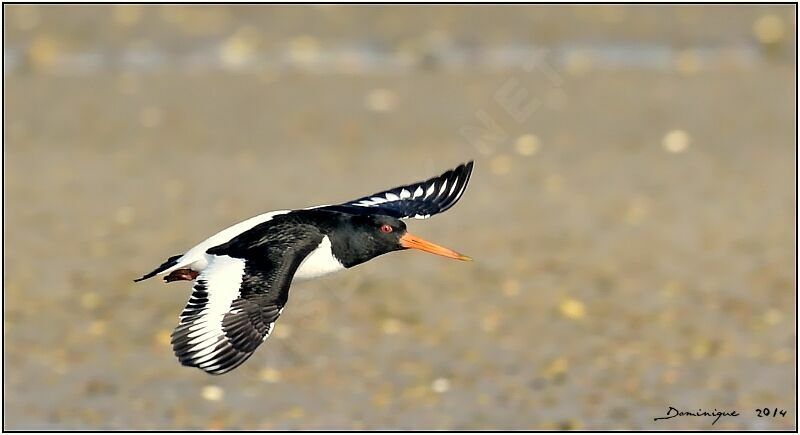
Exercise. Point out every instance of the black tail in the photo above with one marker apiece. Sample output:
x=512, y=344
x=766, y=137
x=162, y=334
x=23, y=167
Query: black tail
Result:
x=164, y=266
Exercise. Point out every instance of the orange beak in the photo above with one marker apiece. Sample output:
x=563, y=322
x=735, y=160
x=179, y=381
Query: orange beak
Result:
x=410, y=241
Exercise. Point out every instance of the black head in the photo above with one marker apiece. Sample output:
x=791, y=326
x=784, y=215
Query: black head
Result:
x=364, y=237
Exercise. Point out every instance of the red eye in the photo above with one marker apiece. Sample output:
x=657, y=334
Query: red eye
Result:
x=386, y=228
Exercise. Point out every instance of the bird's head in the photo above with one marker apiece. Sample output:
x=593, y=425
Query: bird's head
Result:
x=378, y=235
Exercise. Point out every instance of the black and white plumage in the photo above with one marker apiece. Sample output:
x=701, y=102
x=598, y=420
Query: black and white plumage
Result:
x=419, y=200
x=243, y=273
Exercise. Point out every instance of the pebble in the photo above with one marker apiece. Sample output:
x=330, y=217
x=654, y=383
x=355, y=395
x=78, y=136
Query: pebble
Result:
x=43, y=52
x=440, y=385
x=283, y=332
x=90, y=300
x=554, y=184
x=391, y=326
x=782, y=356
x=769, y=29
x=380, y=100
x=213, y=393
x=572, y=308
x=240, y=48
x=527, y=145
x=124, y=215
x=688, y=62
x=501, y=164
x=772, y=317
x=295, y=412
x=700, y=349
x=163, y=337
x=304, y=49
x=578, y=64
x=676, y=141
x=511, y=287
x=97, y=327
x=557, y=367
x=636, y=211
x=270, y=375
x=126, y=15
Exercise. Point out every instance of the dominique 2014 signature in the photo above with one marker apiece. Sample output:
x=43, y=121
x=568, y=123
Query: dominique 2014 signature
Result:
x=673, y=412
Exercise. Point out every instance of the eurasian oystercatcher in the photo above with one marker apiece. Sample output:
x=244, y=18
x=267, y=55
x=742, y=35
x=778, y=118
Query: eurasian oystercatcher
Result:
x=243, y=273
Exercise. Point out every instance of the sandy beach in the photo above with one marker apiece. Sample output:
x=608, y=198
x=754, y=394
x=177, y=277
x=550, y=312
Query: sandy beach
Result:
x=633, y=229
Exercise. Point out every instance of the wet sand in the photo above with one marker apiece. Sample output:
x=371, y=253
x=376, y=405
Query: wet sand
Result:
x=634, y=245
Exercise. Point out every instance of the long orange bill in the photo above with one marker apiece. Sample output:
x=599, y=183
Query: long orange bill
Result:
x=411, y=241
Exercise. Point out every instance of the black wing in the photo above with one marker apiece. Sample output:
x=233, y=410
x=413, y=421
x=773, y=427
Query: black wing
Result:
x=417, y=200
x=239, y=296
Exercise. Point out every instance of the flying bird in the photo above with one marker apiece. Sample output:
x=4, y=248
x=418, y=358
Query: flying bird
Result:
x=243, y=273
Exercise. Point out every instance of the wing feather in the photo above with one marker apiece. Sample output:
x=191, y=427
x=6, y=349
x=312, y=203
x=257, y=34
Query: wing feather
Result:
x=419, y=200
x=238, y=298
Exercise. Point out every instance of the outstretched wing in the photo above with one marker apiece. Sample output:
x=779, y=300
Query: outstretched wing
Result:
x=417, y=200
x=239, y=296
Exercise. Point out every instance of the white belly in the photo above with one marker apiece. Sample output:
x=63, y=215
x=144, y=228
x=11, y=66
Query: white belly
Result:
x=318, y=263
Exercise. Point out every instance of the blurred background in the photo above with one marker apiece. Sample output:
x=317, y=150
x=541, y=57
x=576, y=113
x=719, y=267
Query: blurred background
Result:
x=631, y=214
